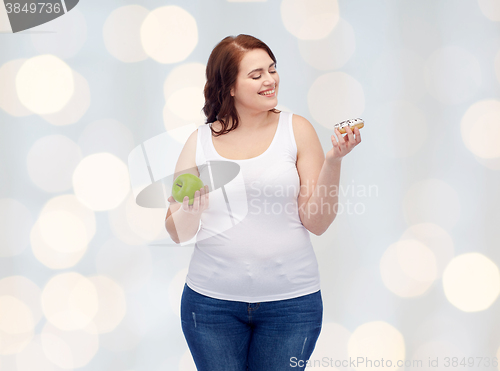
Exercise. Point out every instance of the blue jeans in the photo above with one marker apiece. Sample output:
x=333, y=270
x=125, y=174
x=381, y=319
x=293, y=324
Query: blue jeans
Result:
x=225, y=335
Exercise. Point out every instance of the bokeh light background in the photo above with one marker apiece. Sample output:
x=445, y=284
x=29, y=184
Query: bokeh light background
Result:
x=89, y=280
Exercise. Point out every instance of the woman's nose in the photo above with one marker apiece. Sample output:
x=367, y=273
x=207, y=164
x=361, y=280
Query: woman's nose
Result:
x=269, y=80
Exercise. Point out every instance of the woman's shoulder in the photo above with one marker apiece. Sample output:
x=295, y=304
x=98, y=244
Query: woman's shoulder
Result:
x=300, y=122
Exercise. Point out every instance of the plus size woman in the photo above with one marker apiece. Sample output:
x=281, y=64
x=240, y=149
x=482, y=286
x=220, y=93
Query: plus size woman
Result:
x=252, y=298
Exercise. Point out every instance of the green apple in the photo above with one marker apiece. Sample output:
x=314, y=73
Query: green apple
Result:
x=186, y=185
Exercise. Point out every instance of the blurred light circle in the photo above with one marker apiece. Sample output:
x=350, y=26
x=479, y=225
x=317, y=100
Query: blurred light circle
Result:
x=85, y=224
x=480, y=129
x=69, y=349
x=112, y=304
x=183, y=76
x=119, y=223
x=50, y=257
x=408, y=268
x=15, y=224
x=57, y=351
x=436, y=239
x=416, y=260
x=33, y=358
x=490, y=163
x=9, y=101
x=46, y=254
x=107, y=135
x=471, y=282
x=432, y=201
x=44, y=84
x=63, y=231
x=121, y=33
x=69, y=35
x=76, y=107
x=70, y=301
x=377, y=340
x=26, y=291
x=169, y=34
x=405, y=129
x=129, y=266
x=485, y=135
x=452, y=75
x=185, y=82
x=490, y=9
x=309, y=19
x=179, y=134
x=335, y=97
x=101, y=181
x=186, y=102
x=14, y=343
x=51, y=162
x=174, y=124
x=15, y=316
x=136, y=225
x=332, y=51
x=147, y=223
x=17, y=320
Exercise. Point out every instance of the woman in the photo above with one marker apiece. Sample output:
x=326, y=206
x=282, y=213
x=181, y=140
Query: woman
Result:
x=252, y=298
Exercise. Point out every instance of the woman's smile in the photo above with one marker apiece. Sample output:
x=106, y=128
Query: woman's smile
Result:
x=268, y=93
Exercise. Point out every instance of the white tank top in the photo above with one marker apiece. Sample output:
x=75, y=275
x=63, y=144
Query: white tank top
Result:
x=251, y=245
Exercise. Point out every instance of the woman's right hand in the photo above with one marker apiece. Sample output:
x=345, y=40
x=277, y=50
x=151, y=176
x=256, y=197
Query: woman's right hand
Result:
x=200, y=204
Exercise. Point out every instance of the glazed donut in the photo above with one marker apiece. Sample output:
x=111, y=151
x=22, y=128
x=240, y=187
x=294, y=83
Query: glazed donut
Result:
x=358, y=123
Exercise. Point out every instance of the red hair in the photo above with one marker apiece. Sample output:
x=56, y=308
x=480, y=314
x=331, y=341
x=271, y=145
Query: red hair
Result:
x=221, y=73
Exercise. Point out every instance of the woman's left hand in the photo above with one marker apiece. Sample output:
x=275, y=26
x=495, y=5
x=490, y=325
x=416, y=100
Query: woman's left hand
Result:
x=343, y=146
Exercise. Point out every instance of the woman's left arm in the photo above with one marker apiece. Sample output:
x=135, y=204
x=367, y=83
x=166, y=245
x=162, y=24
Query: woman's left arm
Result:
x=321, y=208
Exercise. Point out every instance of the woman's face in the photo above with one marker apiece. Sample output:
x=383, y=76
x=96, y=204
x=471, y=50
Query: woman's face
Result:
x=257, y=73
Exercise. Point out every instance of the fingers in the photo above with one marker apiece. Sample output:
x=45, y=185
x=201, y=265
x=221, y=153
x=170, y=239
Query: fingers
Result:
x=203, y=198
x=358, y=134
x=350, y=135
x=200, y=201
x=196, y=202
x=185, y=203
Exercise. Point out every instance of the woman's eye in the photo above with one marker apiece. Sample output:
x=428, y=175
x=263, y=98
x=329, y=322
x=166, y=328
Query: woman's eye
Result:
x=256, y=78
